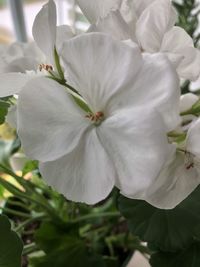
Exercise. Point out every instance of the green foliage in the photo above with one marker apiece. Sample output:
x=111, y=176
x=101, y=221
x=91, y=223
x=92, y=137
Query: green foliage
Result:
x=10, y=245
x=186, y=258
x=4, y=106
x=63, y=248
x=30, y=166
x=7, y=149
x=167, y=230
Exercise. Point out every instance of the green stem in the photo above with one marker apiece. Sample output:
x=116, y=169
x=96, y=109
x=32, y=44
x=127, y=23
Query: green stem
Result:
x=21, y=226
x=16, y=213
x=96, y=216
x=29, y=248
x=58, y=65
x=17, y=204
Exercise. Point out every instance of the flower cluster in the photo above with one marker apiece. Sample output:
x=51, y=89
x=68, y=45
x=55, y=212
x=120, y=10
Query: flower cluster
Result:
x=104, y=108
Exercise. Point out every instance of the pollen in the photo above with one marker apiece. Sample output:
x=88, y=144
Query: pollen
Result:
x=45, y=67
x=96, y=118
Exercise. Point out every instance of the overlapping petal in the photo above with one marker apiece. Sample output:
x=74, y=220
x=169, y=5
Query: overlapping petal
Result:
x=157, y=85
x=50, y=123
x=178, y=42
x=138, y=147
x=157, y=19
x=114, y=25
x=95, y=9
x=44, y=29
x=63, y=33
x=12, y=83
x=99, y=76
x=174, y=183
x=84, y=175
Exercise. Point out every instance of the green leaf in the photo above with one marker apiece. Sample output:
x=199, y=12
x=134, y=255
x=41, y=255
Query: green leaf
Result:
x=168, y=230
x=10, y=245
x=4, y=106
x=63, y=247
x=185, y=258
x=7, y=149
x=30, y=166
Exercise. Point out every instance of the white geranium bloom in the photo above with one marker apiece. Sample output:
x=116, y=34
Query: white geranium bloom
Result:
x=183, y=165
x=182, y=170
x=47, y=37
x=150, y=23
x=123, y=141
x=155, y=33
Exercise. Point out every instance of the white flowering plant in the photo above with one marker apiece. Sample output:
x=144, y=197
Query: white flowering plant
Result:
x=111, y=133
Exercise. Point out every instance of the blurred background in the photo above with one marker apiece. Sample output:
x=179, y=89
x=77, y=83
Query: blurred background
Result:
x=17, y=16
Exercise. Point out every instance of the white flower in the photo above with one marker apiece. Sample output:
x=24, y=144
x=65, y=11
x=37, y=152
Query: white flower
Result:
x=18, y=69
x=150, y=23
x=123, y=142
x=180, y=175
x=155, y=33
x=183, y=165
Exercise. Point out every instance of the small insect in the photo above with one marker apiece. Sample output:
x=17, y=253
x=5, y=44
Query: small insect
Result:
x=189, y=166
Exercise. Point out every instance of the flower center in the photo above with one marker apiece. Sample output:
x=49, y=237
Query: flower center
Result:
x=96, y=118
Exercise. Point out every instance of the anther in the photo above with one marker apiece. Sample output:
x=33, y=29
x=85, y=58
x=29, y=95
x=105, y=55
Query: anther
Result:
x=97, y=118
x=45, y=67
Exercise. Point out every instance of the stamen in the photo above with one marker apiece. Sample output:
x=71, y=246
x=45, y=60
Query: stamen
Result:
x=96, y=118
x=45, y=67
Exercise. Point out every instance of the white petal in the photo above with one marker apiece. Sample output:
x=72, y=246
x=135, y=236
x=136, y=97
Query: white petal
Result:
x=129, y=14
x=12, y=83
x=44, y=29
x=193, y=137
x=175, y=40
x=63, y=34
x=173, y=185
x=95, y=9
x=22, y=65
x=50, y=124
x=155, y=21
x=138, y=147
x=157, y=85
x=141, y=5
x=114, y=25
x=189, y=68
x=100, y=76
x=132, y=9
x=84, y=175
x=187, y=101
x=178, y=42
